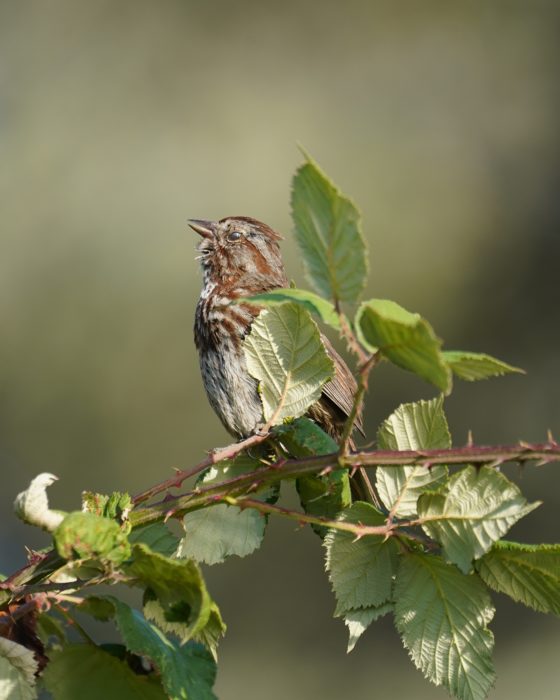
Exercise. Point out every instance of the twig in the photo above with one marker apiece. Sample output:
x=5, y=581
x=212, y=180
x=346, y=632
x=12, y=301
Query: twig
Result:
x=215, y=456
x=21, y=611
x=390, y=528
x=365, y=364
x=54, y=586
x=34, y=571
x=363, y=378
x=74, y=623
x=351, y=341
x=356, y=529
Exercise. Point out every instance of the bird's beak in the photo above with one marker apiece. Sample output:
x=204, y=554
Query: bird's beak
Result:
x=206, y=229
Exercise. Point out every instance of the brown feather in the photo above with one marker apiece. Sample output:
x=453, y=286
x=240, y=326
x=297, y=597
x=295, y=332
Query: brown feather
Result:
x=340, y=391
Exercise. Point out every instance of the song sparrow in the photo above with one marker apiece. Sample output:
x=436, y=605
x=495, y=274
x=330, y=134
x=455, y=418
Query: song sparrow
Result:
x=240, y=256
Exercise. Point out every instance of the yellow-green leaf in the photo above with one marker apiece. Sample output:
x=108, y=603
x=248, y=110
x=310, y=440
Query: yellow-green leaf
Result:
x=528, y=573
x=442, y=616
x=413, y=426
x=284, y=351
x=476, y=508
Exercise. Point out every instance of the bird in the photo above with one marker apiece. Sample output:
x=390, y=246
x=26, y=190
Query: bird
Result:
x=240, y=256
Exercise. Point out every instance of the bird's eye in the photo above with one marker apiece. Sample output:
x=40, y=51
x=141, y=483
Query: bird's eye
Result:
x=233, y=236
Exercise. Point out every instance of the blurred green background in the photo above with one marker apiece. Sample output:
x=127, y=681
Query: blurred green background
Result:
x=118, y=121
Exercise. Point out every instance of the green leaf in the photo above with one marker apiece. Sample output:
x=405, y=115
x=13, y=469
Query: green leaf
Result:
x=404, y=338
x=413, y=426
x=258, y=457
x=94, y=502
x=177, y=585
x=360, y=619
x=284, y=351
x=89, y=536
x=87, y=672
x=157, y=536
x=442, y=616
x=320, y=494
x=98, y=607
x=48, y=627
x=473, y=365
x=187, y=670
x=528, y=573
x=220, y=531
x=327, y=229
x=17, y=671
x=304, y=438
x=324, y=495
x=213, y=631
x=477, y=507
x=115, y=506
x=360, y=571
x=118, y=505
x=310, y=301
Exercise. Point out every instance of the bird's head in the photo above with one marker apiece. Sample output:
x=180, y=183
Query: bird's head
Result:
x=240, y=252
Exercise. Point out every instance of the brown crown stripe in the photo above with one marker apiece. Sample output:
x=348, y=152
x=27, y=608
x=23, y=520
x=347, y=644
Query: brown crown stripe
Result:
x=265, y=228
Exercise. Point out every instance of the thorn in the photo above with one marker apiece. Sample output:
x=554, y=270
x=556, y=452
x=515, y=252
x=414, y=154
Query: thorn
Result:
x=253, y=487
x=525, y=445
x=496, y=464
x=354, y=470
x=169, y=514
x=551, y=441
x=470, y=440
x=325, y=471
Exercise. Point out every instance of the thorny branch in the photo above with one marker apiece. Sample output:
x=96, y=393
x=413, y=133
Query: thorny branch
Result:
x=215, y=456
x=363, y=379
x=493, y=456
x=356, y=529
x=235, y=490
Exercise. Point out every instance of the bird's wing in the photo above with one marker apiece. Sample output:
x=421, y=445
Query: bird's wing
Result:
x=342, y=387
